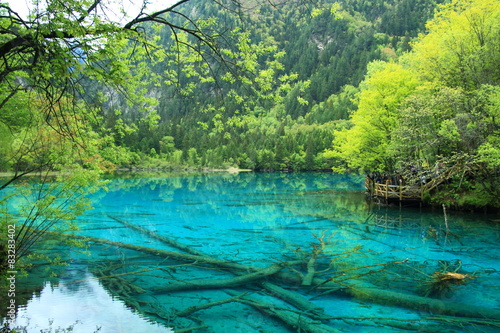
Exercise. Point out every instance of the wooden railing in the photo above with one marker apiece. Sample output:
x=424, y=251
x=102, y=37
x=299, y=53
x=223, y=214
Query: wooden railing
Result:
x=401, y=192
x=424, y=184
x=389, y=191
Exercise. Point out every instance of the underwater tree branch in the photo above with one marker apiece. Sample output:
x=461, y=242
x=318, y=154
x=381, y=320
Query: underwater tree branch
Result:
x=192, y=309
x=297, y=321
x=222, y=283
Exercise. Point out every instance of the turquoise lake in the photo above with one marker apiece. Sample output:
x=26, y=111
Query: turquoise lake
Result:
x=373, y=268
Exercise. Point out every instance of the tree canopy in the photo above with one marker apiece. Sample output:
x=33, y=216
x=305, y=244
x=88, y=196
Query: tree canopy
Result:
x=442, y=109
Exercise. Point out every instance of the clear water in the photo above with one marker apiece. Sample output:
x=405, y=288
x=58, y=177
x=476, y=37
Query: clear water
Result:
x=261, y=219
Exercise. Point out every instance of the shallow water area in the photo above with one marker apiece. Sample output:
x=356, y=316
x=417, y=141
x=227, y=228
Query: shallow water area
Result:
x=283, y=229
x=81, y=305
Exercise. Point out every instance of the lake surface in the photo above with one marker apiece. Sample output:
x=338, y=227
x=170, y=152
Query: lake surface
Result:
x=364, y=260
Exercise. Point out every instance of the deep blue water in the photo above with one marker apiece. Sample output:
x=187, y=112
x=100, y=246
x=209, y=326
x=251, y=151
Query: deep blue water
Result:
x=261, y=219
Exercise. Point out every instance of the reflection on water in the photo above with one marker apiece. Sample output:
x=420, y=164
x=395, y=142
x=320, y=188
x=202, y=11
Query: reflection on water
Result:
x=81, y=304
x=343, y=264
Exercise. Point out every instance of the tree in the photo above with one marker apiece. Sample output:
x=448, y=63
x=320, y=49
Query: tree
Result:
x=425, y=130
x=167, y=145
x=437, y=108
x=462, y=48
x=53, y=54
x=365, y=146
x=67, y=166
x=58, y=54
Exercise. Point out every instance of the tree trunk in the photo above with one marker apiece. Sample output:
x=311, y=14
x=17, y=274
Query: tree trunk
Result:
x=222, y=283
x=384, y=297
x=297, y=321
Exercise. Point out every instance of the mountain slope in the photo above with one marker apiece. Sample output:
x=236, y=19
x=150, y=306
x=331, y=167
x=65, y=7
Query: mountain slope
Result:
x=328, y=47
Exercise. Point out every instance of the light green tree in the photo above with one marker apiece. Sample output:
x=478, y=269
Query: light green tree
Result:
x=438, y=111
x=67, y=167
x=462, y=47
x=365, y=145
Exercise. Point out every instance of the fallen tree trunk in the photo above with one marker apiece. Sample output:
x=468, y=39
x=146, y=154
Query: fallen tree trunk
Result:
x=419, y=303
x=311, y=270
x=171, y=254
x=222, y=283
x=376, y=295
x=393, y=298
x=298, y=321
x=296, y=300
x=418, y=325
x=292, y=298
x=161, y=238
x=190, y=329
x=192, y=309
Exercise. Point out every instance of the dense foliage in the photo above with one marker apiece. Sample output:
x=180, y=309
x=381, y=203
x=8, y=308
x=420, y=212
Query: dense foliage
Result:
x=299, y=68
x=265, y=87
x=436, y=108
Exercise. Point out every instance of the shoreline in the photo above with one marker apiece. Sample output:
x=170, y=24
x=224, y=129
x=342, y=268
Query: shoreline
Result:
x=5, y=174
x=229, y=170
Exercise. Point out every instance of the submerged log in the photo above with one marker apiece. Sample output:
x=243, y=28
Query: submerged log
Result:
x=393, y=298
x=161, y=238
x=311, y=263
x=311, y=271
x=418, y=325
x=192, y=309
x=222, y=283
x=190, y=329
x=169, y=254
x=297, y=300
x=298, y=321
x=435, y=306
x=384, y=297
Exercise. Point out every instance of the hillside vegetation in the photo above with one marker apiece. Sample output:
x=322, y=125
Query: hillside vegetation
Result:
x=305, y=61
x=407, y=87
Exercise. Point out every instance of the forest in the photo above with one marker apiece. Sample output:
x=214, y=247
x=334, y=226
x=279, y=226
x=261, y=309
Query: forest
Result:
x=358, y=86
x=394, y=89
x=299, y=93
